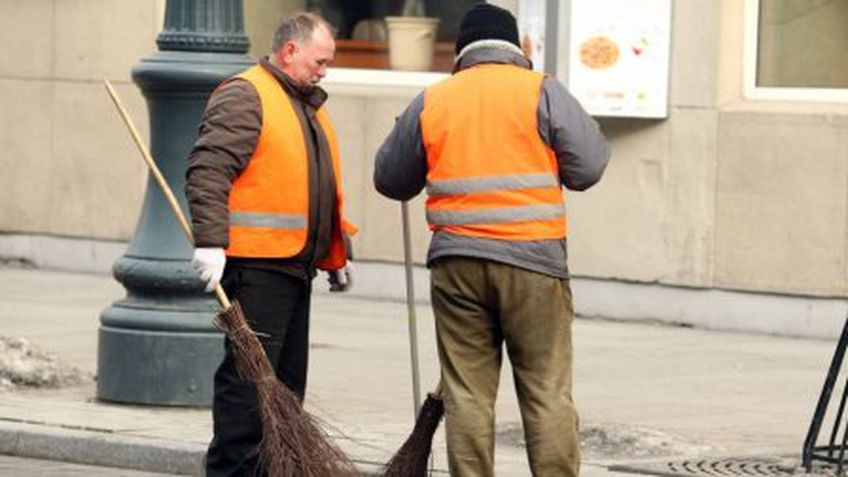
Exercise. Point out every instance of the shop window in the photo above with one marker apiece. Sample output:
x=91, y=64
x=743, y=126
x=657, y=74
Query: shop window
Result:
x=802, y=44
x=361, y=40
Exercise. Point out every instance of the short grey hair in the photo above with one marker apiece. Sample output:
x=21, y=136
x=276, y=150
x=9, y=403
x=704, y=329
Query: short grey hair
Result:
x=299, y=27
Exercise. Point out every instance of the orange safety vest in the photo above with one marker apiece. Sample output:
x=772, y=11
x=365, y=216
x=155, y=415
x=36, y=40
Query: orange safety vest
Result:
x=489, y=173
x=269, y=201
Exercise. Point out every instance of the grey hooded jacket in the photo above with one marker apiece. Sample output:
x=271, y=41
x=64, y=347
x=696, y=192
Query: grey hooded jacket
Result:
x=582, y=153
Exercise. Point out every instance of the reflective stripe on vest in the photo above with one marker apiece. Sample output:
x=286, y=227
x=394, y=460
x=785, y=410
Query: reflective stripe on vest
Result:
x=489, y=172
x=269, y=201
x=489, y=184
x=273, y=221
x=495, y=216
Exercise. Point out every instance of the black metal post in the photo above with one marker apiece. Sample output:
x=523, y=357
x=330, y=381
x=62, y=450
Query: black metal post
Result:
x=809, y=451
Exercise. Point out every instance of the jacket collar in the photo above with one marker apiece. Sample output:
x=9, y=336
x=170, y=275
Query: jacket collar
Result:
x=314, y=96
x=490, y=51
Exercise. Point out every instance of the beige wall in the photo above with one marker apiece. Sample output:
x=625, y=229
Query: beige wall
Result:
x=782, y=189
x=725, y=193
x=69, y=165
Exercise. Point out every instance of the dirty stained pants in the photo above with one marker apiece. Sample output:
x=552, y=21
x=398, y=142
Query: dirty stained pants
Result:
x=479, y=306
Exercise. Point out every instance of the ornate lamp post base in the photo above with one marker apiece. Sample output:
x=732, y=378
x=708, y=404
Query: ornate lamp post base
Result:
x=168, y=364
x=158, y=345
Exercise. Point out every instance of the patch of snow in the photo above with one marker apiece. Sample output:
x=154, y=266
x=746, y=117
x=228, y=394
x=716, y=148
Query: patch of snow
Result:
x=24, y=365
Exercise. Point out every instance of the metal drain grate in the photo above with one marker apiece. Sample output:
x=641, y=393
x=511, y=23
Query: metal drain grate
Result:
x=773, y=466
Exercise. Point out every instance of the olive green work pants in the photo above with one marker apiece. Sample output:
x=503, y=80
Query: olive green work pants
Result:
x=479, y=306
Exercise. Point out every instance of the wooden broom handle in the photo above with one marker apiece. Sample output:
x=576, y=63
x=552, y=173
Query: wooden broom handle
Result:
x=160, y=179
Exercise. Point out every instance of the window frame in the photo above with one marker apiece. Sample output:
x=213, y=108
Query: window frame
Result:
x=775, y=93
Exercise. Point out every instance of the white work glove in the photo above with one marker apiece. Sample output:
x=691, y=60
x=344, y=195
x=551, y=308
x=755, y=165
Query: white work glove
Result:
x=209, y=263
x=341, y=280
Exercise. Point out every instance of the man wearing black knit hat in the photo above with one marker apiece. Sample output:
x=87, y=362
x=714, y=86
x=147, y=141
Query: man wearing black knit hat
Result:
x=486, y=22
x=494, y=144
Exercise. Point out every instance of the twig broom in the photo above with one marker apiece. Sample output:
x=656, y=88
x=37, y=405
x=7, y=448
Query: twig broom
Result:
x=411, y=460
x=292, y=443
x=413, y=457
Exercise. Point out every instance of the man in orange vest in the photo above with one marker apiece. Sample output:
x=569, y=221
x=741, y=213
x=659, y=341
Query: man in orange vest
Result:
x=265, y=192
x=494, y=144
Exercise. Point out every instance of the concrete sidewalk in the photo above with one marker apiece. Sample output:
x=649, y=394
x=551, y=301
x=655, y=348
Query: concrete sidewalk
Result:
x=645, y=392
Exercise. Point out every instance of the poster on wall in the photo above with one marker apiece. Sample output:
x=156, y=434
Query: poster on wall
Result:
x=619, y=56
x=531, y=29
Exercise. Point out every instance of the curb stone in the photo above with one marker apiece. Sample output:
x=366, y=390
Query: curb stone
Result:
x=100, y=448
x=49, y=442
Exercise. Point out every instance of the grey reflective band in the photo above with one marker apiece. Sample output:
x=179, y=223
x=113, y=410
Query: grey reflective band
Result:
x=262, y=219
x=489, y=184
x=494, y=216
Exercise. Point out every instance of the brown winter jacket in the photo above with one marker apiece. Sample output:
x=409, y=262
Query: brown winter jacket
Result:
x=227, y=138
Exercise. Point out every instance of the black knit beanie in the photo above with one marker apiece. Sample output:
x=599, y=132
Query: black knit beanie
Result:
x=486, y=22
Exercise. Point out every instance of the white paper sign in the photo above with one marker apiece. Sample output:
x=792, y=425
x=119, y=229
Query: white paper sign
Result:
x=619, y=56
x=531, y=27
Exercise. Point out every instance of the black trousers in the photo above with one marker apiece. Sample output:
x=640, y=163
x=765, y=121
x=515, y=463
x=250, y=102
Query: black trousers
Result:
x=277, y=306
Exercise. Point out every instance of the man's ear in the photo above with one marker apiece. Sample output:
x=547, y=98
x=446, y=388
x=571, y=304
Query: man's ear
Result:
x=287, y=52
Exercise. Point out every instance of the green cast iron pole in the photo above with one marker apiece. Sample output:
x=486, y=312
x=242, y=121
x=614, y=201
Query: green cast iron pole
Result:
x=158, y=345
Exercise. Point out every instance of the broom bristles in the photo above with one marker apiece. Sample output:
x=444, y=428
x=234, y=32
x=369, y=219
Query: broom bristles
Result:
x=293, y=443
x=412, y=458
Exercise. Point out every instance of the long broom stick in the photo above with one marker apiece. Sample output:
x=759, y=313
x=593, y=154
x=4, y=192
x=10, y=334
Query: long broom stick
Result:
x=410, y=308
x=292, y=443
x=412, y=459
